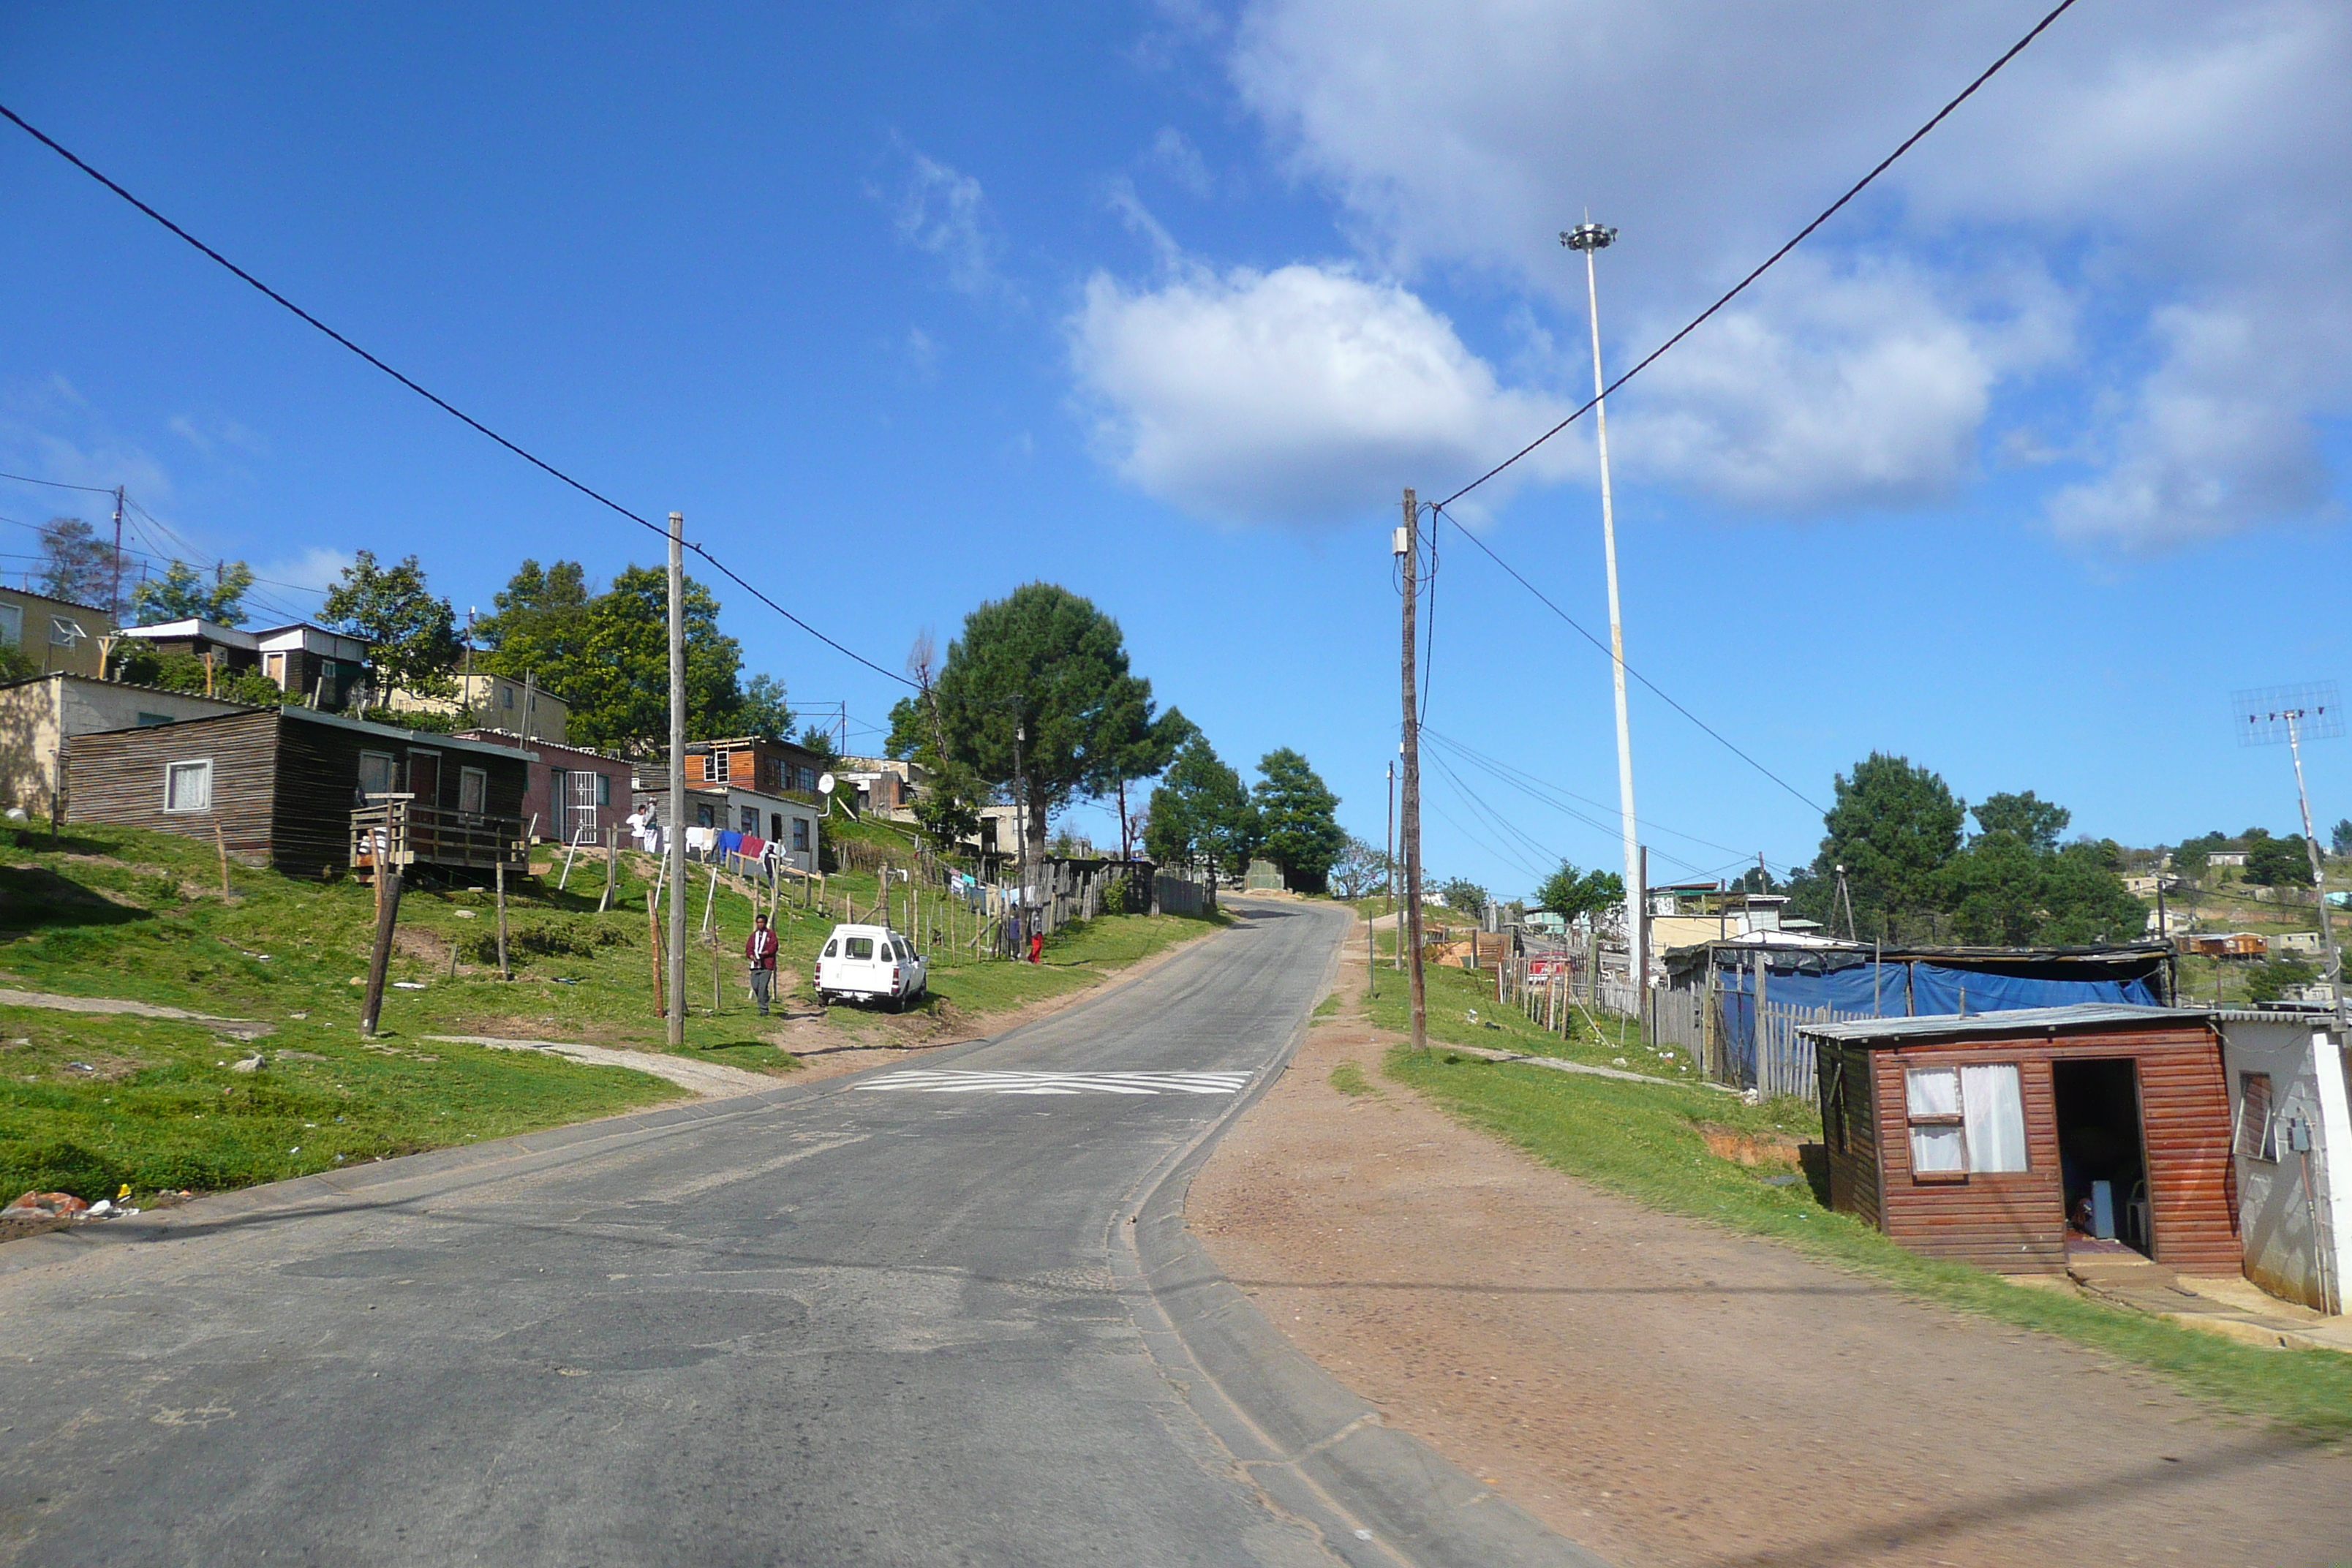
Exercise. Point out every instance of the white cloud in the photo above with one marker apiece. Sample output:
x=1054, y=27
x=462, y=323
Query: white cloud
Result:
x=944, y=212
x=1296, y=395
x=2174, y=170
x=1177, y=158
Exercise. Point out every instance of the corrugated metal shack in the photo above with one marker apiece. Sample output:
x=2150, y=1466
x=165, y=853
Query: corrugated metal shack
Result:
x=2007, y=1138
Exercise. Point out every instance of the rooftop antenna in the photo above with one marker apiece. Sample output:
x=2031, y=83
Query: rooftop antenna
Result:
x=2295, y=714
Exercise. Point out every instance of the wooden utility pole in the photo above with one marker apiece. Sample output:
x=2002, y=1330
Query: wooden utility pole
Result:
x=387, y=917
x=676, y=824
x=114, y=604
x=504, y=972
x=1408, y=551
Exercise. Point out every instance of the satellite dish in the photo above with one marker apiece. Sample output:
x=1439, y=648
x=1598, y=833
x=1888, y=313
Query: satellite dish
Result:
x=824, y=783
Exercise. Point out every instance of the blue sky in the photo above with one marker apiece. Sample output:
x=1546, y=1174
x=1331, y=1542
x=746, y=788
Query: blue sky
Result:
x=2021, y=469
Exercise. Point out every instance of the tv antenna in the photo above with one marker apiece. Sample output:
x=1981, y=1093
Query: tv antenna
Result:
x=2295, y=714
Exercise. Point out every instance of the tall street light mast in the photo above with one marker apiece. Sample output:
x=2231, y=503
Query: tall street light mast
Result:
x=1588, y=238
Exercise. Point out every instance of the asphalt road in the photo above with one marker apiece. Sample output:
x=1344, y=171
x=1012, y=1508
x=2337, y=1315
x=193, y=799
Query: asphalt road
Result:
x=891, y=1318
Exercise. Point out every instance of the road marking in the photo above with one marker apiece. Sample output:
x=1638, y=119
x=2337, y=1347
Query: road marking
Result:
x=952, y=1080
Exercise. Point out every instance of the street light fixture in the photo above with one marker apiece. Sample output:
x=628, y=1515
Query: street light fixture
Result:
x=1589, y=236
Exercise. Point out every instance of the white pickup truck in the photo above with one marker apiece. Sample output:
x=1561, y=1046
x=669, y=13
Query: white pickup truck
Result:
x=870, y=963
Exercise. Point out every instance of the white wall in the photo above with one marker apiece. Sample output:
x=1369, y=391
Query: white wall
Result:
x=2285, y=1253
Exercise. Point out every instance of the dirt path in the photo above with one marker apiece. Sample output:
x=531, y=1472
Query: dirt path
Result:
x=242, y=1028
x=1668, y=1392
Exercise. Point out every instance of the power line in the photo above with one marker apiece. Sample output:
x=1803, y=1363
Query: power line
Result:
x=1766, y=266
x=1655, y=687
x=435, y=399
x=54, y=484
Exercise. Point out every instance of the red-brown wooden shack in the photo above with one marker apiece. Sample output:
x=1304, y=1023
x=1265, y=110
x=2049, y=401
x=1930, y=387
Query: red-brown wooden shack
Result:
x=2001, y=1139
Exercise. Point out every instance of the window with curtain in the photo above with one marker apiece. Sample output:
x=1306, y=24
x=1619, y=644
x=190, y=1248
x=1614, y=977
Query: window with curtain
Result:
x=188, y=786
x=1965, y=1119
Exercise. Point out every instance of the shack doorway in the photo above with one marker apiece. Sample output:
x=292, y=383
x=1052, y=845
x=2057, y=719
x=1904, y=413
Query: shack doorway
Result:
x=2102, y=1154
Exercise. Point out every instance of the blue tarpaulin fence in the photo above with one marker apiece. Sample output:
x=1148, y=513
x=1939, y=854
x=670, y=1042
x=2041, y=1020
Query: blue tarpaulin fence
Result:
x=1895, y=988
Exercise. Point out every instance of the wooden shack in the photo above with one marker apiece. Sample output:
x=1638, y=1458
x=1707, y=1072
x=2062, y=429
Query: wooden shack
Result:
x=2007, y=1138
x=281, y=785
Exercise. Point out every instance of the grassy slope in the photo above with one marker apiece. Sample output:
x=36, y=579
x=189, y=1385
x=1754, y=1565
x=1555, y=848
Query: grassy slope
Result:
x=138, y=915
x=1643, y=1140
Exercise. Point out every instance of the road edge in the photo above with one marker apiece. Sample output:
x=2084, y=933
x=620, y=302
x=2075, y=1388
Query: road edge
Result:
x=1316, y=1450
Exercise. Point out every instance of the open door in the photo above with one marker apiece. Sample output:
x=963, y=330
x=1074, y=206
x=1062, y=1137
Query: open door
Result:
x=2102, y=1155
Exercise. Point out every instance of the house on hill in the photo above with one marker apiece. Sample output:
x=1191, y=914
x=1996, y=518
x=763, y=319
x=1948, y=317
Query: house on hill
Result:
x=38, y=716
x=308, y=663
x=574, y=794
x=280, y=787
x=54, y=634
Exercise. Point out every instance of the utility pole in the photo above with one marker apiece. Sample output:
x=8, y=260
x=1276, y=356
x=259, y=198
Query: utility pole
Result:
x=114, y=605
x=2318, y=869
x=1407, y=548
x=1020, y=810
x=1589, y=236
x=677, y=846
x=468, y=704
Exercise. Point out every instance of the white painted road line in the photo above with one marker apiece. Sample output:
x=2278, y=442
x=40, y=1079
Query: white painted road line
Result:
x=950, y=1081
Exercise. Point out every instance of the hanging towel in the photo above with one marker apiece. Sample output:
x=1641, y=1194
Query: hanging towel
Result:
x=753, y=846
x=729, y=841
x=699, y=838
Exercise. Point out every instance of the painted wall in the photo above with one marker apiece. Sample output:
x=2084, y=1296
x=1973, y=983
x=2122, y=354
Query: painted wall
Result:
x=2297, y=1233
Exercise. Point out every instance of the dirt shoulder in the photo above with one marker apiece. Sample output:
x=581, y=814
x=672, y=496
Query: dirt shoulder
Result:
x=1668, y=1393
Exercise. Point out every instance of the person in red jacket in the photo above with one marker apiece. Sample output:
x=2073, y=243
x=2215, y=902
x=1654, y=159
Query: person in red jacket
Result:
x=760, y=952
x=1037, y=946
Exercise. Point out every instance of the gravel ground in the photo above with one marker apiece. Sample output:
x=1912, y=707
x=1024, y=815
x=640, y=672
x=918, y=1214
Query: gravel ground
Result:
x=1668, y=1392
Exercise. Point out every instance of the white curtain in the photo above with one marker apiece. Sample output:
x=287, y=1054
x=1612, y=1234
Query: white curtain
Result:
x=1996, y=1117
x=1938, y=1150
x=1932, y=1092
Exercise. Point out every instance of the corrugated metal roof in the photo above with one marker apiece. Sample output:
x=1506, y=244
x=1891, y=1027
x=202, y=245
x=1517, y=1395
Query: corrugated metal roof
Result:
x=2016, y=1021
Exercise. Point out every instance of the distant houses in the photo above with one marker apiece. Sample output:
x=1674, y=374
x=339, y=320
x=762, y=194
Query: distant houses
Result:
x=39, y=715
x=310, y=664
x=54, y=634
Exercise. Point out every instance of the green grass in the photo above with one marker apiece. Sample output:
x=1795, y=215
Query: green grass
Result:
x=130, y=915
x=1454, y=993
x=89, y=1103
x=1349, y=1079
x=1644, y=1141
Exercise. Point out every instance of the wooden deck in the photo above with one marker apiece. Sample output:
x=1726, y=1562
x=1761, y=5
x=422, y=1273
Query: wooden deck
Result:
x=401, y=832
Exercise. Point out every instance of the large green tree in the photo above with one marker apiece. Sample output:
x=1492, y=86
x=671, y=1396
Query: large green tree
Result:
x=2278, y=862
x=1893, y=826
x=607, y=656
x=412, y=634
x=2033, y=821
x=540, y=622
x=1569, y=892
x=180, y=594
x=76, y=565
x=1200, y=814
x=1045, y=663
x=1298, y=820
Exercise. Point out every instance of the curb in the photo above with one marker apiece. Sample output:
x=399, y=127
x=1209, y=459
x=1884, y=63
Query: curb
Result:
x=1377, y=1496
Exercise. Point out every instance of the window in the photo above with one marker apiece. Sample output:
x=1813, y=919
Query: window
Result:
x=273, y=664
x=751, y=822
x=800, y=834
x=1965, y=1119
x=603, y=789
x=833, y=949
x=706, y=816
x=506, y=696
x=473, y=791
x=65, y=631
x=899, y=945
x=808, y=780
x=188, y=786
x=376, y=772
x=12, y=622
x=2257, y=1134
x=150, y=721
x=861, y=947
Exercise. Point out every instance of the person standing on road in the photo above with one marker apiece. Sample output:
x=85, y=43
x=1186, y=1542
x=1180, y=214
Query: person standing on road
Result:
x=760, y=951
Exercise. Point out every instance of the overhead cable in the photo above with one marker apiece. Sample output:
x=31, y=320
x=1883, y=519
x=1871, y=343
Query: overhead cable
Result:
x=1767, y=264
x=435, y=399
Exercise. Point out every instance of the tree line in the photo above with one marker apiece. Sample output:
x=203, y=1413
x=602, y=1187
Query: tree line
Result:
x=1036, y=697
